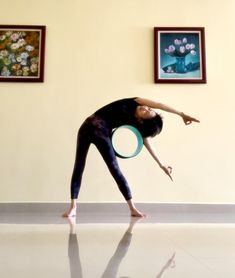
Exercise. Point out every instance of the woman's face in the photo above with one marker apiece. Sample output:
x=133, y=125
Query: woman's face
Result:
x=144, y=112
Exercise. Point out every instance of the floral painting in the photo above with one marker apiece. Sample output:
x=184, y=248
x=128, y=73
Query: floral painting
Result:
x=22, y=53
x=179, y=55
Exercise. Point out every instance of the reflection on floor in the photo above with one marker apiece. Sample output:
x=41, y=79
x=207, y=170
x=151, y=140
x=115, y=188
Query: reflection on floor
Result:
x=113, y=265
x=134, y=248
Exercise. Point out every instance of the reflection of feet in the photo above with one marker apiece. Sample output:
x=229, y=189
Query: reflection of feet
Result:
x=71, y=213
x=134, y=220
x=72, y=224
x=132, y=223
x=171, y=262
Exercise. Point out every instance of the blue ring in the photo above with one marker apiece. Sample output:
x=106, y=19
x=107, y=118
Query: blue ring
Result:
x=138, y=137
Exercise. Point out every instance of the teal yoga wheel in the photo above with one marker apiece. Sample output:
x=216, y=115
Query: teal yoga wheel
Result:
x=127, y=141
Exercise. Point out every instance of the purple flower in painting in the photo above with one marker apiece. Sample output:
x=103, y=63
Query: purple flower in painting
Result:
x=177, y=42
x=15, y=37
x=180, y=48
x=171, y=48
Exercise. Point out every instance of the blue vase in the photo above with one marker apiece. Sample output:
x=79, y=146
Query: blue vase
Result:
x=180, y=65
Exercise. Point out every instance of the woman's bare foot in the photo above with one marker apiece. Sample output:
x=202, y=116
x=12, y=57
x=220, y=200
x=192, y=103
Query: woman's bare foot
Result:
x=136, y=213
x=71, y=212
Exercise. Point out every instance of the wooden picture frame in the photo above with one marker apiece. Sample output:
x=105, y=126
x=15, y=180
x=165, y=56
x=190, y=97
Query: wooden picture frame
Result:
x=179, y=55
x=22, y=53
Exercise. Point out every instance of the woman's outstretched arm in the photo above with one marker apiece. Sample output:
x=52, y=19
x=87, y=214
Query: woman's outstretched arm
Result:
x=167, y=169
x=157, y=105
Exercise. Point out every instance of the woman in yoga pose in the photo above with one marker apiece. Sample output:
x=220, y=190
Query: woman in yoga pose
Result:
x=97, y=129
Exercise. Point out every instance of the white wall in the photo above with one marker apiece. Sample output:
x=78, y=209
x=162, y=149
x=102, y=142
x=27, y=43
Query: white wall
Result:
x=100, y=51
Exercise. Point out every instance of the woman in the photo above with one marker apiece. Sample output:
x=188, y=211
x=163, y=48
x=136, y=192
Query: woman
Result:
x=97, y=129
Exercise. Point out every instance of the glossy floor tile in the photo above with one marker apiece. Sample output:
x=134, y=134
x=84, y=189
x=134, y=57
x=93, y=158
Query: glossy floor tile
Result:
x=136, y=249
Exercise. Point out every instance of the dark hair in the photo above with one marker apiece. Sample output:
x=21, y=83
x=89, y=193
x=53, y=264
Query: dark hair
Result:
x=151, y=127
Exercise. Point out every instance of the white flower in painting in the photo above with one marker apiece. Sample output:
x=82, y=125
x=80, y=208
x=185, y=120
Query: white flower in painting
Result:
x=5, y=72
x=12, y=58
x=192, y=45
x=29, y=48
x=2, y=37
x=19, y=72
x=184, y=40
x=8, y=33
x=25, y=71
x=15, y=46
x=4, y=53
x=24, y=55
x=169, y=69
x=193, y=52
x=182, y=49
x=19, y=59
x=34, y=68
x=23, y=62
x=25, y=68
x=21, y=42
x=7, y=61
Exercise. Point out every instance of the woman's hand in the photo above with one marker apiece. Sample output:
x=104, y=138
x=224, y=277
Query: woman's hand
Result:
x=188, y=119
x=167, y=170
x=152, y=151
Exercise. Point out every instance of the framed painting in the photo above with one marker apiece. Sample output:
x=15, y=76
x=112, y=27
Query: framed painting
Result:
x=179, y=55
x=22, y=52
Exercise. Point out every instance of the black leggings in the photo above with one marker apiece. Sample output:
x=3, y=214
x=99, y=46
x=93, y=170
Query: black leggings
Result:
x=95, y=130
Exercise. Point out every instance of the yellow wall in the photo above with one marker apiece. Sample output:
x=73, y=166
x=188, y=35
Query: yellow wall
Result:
x=99, y=51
